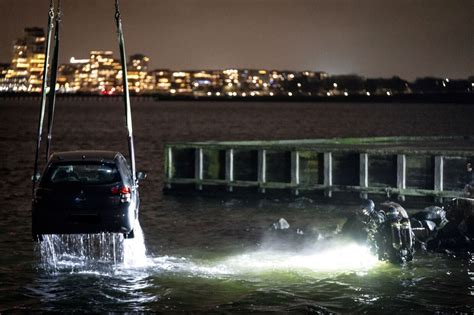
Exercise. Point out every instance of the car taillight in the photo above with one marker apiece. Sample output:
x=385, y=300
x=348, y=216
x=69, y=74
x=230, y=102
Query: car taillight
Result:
x=122, y=190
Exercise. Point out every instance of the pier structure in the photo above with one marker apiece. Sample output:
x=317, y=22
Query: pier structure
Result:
x=438, y=167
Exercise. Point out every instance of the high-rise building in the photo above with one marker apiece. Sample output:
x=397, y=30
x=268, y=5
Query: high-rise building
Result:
x=99, y=74
x=138, y=78
x=26, y=69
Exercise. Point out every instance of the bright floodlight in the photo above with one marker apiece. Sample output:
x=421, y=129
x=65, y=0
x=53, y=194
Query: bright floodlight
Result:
x=350, y=257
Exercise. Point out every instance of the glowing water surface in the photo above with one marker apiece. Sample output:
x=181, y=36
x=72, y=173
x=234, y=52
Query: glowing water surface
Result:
x=111, y=272
x=112, y=253
x=119, y=272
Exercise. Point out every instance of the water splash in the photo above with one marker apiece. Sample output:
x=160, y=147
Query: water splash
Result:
x=134, y=249
x=104, y=252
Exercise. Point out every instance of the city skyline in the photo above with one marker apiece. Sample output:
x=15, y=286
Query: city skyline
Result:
x=376, y=39
x=101, y=73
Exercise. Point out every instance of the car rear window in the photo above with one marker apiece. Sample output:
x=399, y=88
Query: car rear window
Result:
x=84, y=173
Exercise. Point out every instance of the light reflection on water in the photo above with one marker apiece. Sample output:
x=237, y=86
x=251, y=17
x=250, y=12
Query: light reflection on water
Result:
x=112, y=254
x=343, y=258
x=109, y=273
x=117, y=271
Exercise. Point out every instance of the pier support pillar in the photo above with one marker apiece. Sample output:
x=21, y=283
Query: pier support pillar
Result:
x=364, y=173
x=401, y=174
x=328, y=173
x=229, y=168
x=199, y=168
x=262, y=168
x=295, y=170
x=439, y=176
x=169, y=166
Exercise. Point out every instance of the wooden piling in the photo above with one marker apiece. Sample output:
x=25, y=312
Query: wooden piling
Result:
x=198, y=168
x=438, y=176
x=328, y=173
x=229, y=168
x=262, y=169
x=295, y=171
x=169, y=166
x=364, y=173
x=401, y=175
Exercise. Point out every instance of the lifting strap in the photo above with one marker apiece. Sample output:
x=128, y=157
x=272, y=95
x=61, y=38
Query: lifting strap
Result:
x=43, y=93
x=126, y=95
x=53, y=80
x=52, y=90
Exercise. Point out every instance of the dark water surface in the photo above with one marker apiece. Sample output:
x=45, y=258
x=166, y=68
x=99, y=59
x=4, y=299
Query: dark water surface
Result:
x=214, y=254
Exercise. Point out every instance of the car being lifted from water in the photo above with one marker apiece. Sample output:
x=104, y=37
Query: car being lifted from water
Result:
x=86, y=192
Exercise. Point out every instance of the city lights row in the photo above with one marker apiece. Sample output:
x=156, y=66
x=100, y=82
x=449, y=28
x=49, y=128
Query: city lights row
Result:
x=101, y=73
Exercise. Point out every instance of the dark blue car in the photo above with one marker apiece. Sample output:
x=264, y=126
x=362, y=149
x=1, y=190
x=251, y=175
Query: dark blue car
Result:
x=85, y=192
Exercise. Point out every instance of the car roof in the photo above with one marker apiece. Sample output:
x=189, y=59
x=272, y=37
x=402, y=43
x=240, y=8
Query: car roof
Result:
x=88, y=155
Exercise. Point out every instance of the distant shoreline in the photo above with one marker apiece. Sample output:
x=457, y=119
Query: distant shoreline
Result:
x=457, y=98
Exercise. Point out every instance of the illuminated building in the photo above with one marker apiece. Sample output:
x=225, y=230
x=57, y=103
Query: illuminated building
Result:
x=103, y=71
x=3, y=69
x=101, y=74
x=248, y=82
x=162, y=79
x=26, y=69
x=138, y=78
x=66, y=77
x=181, y=83
x=3, y=72
x=205, y=82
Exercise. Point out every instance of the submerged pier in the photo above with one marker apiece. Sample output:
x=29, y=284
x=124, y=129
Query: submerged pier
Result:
x=438, y=167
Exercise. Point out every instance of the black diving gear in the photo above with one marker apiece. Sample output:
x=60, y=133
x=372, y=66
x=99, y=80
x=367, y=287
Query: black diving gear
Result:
x=426, y=224
x=458, y=233
x=362, y=224
x=394, y=237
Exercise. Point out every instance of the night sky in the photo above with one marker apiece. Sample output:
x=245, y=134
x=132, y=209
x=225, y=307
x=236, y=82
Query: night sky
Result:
x=409, y=38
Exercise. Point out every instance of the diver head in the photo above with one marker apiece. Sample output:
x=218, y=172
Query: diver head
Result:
x=365, y=211
x=367, y=207
x=392, y=214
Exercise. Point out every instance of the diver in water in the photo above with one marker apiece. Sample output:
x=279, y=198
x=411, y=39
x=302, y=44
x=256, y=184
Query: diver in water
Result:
x=388, y=233
x=394, y=238
x=362, y=225
x=450, y=230
x=457, y=234
x=426, y=224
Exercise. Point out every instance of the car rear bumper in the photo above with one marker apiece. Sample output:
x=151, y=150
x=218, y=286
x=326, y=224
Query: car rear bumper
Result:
x=119, y=220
